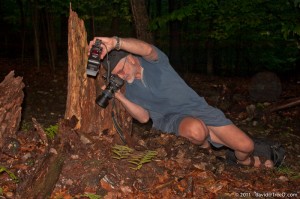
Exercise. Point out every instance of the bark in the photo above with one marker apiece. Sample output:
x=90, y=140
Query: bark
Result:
x=83, y=90
x=141, y=20
x=11, y=98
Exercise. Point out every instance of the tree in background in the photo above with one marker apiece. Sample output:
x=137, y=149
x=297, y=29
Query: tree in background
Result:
x=208, y=36
x=141, y=20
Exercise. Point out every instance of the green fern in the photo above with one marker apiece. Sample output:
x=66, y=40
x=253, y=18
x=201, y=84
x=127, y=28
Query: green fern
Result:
x=91, y=196
x=141, y=159
x=11, y=174
x=121, y=151
x=52, y=131
x=124, y=152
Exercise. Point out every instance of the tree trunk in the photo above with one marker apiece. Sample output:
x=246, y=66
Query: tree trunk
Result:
x=36, y=30
x=83, y=90
x=11, y=98
x=175, y=39
x=210, y=63
x=22, y=20
x=141, y=20
x=51, y=38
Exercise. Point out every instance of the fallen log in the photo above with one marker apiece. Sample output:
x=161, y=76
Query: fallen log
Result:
x=48, y=168
x=11, y=98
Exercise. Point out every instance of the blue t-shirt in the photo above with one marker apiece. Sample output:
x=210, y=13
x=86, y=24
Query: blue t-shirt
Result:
x=163, y=92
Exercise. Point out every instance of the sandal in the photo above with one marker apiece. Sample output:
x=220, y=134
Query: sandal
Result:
x=264, y=150
x=232, y=160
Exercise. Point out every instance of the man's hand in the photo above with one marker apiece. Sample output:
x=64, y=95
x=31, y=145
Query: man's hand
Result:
x=136, y=111
x=131, y=45
x=108, y=44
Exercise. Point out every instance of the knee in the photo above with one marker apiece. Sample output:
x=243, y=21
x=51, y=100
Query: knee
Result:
x=194, y=129
x=246, y=146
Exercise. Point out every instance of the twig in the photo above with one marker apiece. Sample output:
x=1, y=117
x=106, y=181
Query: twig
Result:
x=291, y=103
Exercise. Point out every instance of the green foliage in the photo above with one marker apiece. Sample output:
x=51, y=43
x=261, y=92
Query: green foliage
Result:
x=51, y=131
x=11, y=175
x=25, y=126
x=141, y=159
x=90, y=196
x=124, y=152
x=121, y=151
x=249, y=35
x=289, y=172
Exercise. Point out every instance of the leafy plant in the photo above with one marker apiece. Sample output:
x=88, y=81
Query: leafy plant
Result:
x=11, y=174
x=51, y=131
x=289, y=172
x=121, y=151
x=124, y=152
x=141, y=159
x=91, y=196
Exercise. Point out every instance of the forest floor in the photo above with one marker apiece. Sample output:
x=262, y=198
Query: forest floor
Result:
x=178, y=169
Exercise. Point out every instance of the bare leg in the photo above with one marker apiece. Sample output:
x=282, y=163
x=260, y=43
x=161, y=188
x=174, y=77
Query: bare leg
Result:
x=231, y=136
x=234, y=138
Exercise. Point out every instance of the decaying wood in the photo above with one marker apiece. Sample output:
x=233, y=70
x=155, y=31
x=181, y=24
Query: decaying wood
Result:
x=11, y=98
x=83, y=90
x=40, y=131
x=49, y=166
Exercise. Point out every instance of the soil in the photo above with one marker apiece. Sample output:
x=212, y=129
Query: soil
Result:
x=175, y=168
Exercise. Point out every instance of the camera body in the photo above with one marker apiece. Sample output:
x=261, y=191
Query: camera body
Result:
x=114, y=84
x=94, y=62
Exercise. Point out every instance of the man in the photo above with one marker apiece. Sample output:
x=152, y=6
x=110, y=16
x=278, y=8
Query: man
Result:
x=154, y=90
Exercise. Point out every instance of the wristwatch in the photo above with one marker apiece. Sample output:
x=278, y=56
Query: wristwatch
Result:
x=118, y=44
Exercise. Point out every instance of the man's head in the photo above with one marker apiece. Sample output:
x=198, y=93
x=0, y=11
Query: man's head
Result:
x=114, y=57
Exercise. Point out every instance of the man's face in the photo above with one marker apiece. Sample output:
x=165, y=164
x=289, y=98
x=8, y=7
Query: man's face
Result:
x=125, y=70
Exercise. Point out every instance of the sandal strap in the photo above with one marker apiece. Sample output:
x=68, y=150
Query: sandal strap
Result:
x=252, y=161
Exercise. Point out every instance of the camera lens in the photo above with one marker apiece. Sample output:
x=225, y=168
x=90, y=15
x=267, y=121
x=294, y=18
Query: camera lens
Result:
x=103, y=99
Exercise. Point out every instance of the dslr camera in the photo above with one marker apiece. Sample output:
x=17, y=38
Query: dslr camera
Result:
x=94, y=62
x=114, y=84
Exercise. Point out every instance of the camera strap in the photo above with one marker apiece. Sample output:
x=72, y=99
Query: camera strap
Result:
x=116, y=124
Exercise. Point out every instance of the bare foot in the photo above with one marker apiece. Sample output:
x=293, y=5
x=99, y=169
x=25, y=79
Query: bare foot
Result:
x=256, y=161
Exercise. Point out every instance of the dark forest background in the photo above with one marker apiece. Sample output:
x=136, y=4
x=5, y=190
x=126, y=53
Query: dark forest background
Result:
x=215, y=37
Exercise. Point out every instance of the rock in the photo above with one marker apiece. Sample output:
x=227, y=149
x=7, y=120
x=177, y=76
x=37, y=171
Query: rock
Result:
x=265, y=87
x=11, y=146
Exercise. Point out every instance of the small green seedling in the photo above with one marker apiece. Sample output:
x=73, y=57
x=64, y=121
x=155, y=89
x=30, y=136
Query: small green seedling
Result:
x=52, y=131
x=11, y=174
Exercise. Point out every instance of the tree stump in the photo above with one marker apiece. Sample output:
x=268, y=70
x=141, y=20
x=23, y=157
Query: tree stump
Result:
x=83, y=90
x=265, y=87
x=11, y=98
